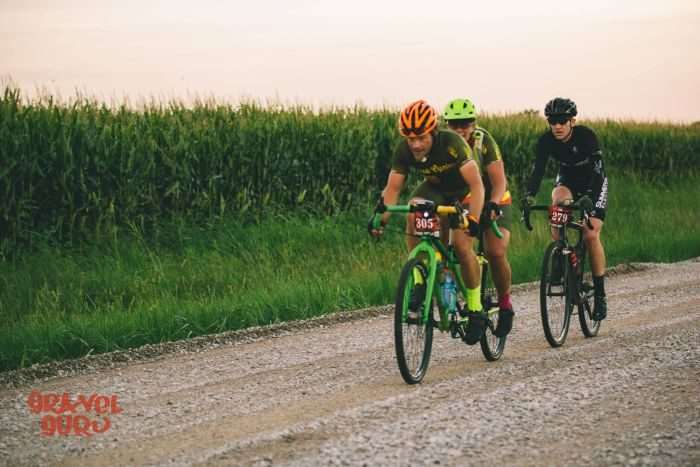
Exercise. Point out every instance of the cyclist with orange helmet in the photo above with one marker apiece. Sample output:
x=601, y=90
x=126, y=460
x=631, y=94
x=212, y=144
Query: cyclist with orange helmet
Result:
x=450, y=174
x=460, y=115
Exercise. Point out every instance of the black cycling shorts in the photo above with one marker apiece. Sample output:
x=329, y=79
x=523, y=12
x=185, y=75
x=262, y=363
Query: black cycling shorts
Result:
x=598, y=192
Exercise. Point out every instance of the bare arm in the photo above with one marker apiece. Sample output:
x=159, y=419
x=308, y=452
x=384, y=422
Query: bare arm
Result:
x=471, y=175
x=497, y=176
x=391, y=192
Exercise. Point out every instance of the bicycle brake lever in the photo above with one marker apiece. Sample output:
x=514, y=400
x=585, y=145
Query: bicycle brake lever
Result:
x=585, y=203
x=380, y=207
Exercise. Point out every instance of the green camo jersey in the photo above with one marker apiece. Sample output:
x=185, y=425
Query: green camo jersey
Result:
x=441, y=166
x=485, y=151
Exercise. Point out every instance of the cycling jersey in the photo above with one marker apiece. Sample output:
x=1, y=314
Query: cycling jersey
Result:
x=580, y=166
x=486, y=151
x=440, y=167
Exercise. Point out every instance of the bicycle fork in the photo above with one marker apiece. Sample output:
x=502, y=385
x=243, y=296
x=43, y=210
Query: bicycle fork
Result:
x=580, y=290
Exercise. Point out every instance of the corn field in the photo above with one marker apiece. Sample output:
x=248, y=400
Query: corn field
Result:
x=80, y=169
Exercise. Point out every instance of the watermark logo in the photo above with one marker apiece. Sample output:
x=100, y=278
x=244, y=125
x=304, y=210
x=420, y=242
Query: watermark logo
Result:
x=64, y=415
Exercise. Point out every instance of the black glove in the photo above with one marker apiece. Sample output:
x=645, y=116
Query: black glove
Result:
x=374, y=230
x=494, y=208
x=586, y=203
x=527, y=200
x=473, y=228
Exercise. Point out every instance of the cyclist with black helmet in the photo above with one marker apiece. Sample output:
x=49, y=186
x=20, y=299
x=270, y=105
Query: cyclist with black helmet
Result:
x=460, y=115
x=581, y=172
x=450, y=174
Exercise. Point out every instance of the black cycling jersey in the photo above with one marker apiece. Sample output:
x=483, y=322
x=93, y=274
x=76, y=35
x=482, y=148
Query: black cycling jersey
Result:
x=577, y=158
x=580, y=165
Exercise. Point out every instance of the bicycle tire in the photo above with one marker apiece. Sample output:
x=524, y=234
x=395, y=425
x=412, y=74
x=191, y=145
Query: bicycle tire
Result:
x=556, y=304
x=413, y=340
x=491, y=346
x=589, y=327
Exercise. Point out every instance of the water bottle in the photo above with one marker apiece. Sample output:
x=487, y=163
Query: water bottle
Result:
x=449, y=292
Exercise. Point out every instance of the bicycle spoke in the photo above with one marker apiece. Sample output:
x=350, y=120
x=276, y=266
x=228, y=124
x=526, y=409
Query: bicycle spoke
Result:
x=412, y=334
x=555, y=303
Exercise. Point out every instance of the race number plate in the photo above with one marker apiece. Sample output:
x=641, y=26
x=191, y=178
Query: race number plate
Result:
x=559, y=215
x=427, y=224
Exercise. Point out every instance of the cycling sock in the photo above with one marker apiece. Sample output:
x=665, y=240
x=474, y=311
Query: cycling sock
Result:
x=504, y=302
x=474, y=299
x=599, y=285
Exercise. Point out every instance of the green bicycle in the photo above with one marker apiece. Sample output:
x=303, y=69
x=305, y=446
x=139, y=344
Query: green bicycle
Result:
x=432, y=277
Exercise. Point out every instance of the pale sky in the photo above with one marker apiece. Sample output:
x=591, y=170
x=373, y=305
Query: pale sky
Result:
x=616, y=58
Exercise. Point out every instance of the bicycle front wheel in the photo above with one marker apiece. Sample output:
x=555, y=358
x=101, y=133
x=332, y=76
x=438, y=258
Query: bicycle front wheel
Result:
x=491, y=345
x=556, y=305
x=413, y=325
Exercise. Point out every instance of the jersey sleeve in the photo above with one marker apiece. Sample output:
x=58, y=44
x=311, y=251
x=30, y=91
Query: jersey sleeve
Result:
x=401, y=161
x=596, y=156
x=541, y=157
x=490, y=150
x=459, y=149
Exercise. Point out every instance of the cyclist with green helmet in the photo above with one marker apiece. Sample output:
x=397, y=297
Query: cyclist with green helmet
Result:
x=450, y=174
x=460, y=115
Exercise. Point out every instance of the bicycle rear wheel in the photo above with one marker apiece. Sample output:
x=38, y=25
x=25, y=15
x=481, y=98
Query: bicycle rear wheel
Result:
x=413, y=326
x=589, y=326
x=491, y=346
x=556, y=305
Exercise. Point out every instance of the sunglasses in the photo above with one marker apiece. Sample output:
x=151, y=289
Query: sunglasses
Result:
x=460, y=124
x=557, y=120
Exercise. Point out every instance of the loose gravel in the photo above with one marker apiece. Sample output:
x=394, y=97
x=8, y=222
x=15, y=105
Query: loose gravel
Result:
x=327, y=392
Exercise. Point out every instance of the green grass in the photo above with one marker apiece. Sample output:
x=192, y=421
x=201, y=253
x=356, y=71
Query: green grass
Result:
x=646, y=221
x=127, y=289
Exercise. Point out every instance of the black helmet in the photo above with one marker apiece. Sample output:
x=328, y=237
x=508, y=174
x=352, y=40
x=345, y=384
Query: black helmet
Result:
x=560, y=106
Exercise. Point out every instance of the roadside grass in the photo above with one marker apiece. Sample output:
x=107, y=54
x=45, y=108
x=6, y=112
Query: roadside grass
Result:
x=127, y=290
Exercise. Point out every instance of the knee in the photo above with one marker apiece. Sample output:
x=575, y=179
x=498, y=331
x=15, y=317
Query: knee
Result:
x=465, y=253
x=495, y=249
x=494, y=252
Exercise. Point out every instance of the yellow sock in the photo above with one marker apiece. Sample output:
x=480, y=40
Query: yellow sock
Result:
x=474, y=299
x=417, y=276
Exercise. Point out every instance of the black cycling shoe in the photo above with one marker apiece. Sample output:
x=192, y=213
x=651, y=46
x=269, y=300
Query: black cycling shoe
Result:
x=476, y=327
x=505, y=323
x=415, y=303
x=600, y=307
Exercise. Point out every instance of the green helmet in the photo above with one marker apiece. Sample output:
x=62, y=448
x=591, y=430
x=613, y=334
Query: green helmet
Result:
x=459, y=109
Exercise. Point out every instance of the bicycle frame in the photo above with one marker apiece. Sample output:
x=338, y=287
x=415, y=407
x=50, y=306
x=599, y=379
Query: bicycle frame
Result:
x=438, y=255
x=575, y=292
x=413, y=330
x=562, y=238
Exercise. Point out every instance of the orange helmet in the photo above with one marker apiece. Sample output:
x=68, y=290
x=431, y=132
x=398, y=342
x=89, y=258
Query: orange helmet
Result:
x=418, y=118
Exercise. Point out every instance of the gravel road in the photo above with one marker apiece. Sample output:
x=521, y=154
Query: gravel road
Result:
x=328, y=392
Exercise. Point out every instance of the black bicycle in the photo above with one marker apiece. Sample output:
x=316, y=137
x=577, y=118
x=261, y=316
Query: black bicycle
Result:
x=562, y=284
